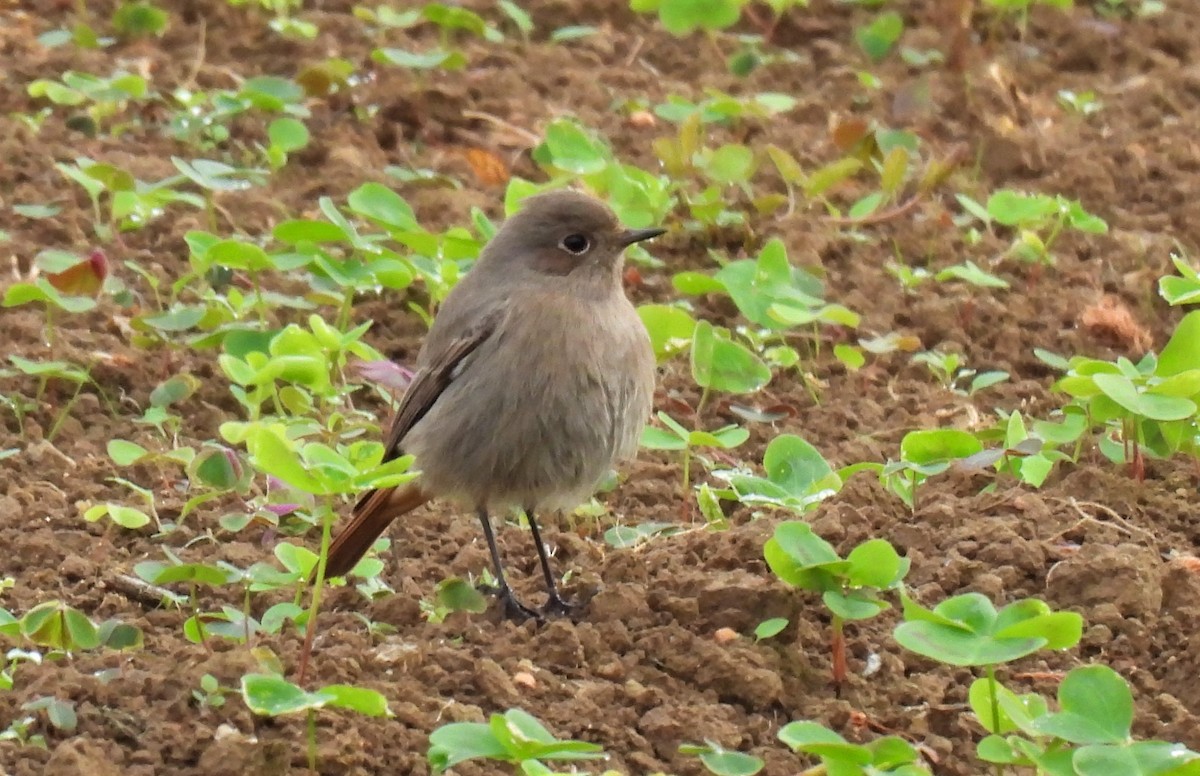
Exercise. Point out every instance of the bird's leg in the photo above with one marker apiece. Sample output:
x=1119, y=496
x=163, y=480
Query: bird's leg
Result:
x=555, y=603
x=513, y=608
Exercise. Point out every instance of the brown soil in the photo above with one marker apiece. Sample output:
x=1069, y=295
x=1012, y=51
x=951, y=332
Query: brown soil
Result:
x=641, y=672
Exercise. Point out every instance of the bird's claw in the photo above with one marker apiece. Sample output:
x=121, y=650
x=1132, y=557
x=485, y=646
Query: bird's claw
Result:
x=556, y=606
x=512, y=606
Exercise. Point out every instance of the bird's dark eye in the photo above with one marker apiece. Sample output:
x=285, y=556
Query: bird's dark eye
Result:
x=575, y=243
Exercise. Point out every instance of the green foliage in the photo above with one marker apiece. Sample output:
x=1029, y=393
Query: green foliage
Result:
x=512, y=737
x=140, y=19
x=849, y=586
x=1090, y=735
x=723, y=762
x=683, y=17
x=952, y=373
x=1037, y=220
x=1148, y=407
x=453, y=595
x=676, y=437
x=967, y=630
x=796, y=477
x=271, y=695
x=878, y=37
x=891, y=754
x=102, y=99
x=1183, y=288
x=923, y=454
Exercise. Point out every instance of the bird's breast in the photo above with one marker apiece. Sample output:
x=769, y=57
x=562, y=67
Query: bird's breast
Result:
x=545, y=407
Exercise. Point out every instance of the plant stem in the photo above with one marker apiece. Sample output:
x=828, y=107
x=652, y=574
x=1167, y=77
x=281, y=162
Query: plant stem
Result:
x=196, y=613
x=312, y=739
x=839, y=653
x=994, y=697
x=64, y=412
x=246, y=613
x=259, y=306
x=310, y=627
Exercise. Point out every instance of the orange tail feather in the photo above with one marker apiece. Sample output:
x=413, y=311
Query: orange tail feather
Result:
x=373, y=513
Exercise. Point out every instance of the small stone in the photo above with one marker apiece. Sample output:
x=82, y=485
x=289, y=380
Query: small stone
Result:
x=642, y=119
x=725, y=635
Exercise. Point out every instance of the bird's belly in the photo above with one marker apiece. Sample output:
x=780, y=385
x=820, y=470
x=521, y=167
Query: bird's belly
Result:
x=545, y=445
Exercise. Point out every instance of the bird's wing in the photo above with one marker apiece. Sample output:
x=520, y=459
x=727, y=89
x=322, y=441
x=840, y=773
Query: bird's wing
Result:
x=429, y=382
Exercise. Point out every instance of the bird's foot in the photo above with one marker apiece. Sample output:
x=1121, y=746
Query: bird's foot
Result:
x=512, y=606
x=557, y=606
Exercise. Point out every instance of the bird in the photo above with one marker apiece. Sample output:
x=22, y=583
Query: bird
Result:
x=533, y=383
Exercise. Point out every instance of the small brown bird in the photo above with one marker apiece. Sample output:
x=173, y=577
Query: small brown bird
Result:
x=536, y=378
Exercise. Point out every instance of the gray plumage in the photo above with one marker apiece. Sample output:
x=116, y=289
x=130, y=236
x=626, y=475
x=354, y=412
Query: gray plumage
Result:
x=535, y=379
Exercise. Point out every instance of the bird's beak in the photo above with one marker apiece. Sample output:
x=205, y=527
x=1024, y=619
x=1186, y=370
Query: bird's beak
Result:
x=631, y=236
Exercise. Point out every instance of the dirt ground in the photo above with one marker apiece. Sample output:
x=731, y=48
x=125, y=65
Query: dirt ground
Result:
x=641, y=672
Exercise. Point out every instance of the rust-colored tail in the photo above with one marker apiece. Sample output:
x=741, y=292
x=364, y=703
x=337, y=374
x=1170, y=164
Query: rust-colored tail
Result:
x=373, y=513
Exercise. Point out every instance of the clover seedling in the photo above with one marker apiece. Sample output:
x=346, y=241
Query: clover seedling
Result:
x=19, y=730
x=1154, y=403
x=453, y=595
x=1090, y=735
x=326, y=472
x=1029, y=457
x=683, y=17
x=722, y=108
x=723, y=762
x=104, y=97
x=63, y=629
x=670, y=328
x=210, y=693
x=1084, y=103
x=203, y=117
x=140, y=19
x=214, y=177
x=270, y=695
x=676, y=437
x=45, y=371
x=284, y=136
x=1183, y=288
x=195, y=576
x=1037, y=219
x=1019, y=9
x=133, y=203
x=513, y=737
x=879, y=36
x=770, y=628
x=924, y=454
x=952, y=372
x=282, y=20
x=571, y=150
x=59, y=713
x=797, y=477
x=623, y=537
x=849, y=587
x=891, y=754
x=772, y=293
x=64, y=282
x=719, y=363
x=967, y=630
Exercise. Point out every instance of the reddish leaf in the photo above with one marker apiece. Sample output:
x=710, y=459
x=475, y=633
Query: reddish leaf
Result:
x=386, y=373
x=848, y=133
x=488, y=168
x=82, y=279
